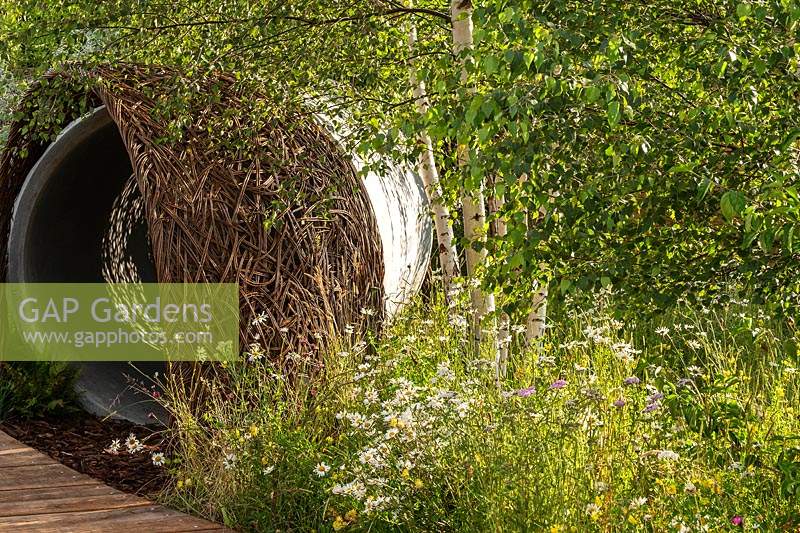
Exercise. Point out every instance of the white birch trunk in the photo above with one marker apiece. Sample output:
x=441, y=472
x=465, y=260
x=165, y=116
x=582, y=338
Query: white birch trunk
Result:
x=448, y=255
x=537, y=317
x=500, y=229
x=474, y=206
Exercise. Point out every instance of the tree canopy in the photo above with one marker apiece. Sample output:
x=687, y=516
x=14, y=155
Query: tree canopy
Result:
x=650, y=147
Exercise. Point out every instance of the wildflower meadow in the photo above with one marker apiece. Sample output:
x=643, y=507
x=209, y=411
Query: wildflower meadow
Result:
x=684, y=423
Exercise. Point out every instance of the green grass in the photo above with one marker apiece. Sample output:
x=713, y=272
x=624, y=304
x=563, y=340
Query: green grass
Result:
x=411, y=431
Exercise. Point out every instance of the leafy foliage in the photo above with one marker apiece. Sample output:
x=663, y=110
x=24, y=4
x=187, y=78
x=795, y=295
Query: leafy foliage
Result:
x=36, y=389
x=659, y=140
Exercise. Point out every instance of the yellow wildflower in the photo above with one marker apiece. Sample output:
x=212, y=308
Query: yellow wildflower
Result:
x=351, y=515
x=339, y=523
x=418, y=484
x=711, y=485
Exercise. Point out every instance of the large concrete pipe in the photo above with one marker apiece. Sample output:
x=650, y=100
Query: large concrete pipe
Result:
x=62, y=214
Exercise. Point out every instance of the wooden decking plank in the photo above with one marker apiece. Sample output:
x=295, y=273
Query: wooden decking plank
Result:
x=152, y=519
x=23, y=457
x=41, y=476
x=7, y=443
x=38, y=494
x=61, y=500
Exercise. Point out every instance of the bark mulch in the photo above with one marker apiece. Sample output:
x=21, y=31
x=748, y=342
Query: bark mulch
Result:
x=80, y=441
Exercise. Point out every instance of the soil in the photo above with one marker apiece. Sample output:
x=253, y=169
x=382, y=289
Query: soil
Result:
x=81, y=442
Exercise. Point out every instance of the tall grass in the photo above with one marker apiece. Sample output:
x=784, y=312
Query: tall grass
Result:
x=689, y=423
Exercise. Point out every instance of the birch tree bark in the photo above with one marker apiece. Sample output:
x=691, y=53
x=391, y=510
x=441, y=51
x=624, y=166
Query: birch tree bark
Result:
x=537, y=317
x=536, y=322
x=473, y=203
x=499, y=228
x=448, y=255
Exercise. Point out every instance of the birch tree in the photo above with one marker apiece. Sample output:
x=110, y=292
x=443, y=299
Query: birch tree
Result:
x=448, y=255
x=499, y=229
x=473, y=203
x=536, y=321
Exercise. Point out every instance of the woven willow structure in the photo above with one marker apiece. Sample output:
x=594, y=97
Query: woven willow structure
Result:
x=272, y=204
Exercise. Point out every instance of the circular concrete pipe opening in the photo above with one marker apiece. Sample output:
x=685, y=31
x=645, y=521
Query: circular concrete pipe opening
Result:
x=60, y=218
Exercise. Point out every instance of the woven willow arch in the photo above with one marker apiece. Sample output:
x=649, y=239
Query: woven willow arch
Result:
x=208, y=186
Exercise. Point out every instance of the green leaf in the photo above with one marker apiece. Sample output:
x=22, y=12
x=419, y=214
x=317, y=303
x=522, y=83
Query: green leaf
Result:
x=702, y=189
x=613, y=113
x=766, y=240
x=516, y=261
x=732, y=204
x=789, y=238
x=592, y=93
x=565, y=285
x=538, y=60
x=748, y=239
x=743, y=10
x=789, y=139
x=490, y=65
x=680, y=169
x=528, y=57
x=474, y=108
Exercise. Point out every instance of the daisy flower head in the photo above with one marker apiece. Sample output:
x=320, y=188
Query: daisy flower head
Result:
x=132, y=444
x=637, y=502
x=229, y=461
x=321, y=469
x=114, y=447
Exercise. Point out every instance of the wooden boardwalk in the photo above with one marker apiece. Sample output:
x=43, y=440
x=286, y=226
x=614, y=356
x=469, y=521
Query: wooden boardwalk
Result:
x=38, y=494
